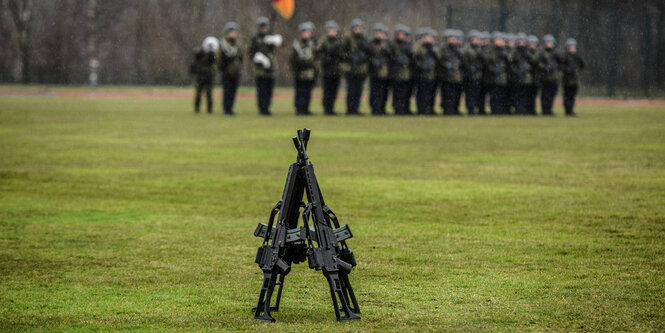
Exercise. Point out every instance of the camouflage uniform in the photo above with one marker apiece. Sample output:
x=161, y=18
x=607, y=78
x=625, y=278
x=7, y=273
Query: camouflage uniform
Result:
x=523, y=66
x=355, y=56
x=511, y=89
x=571, y=64
x=401, y=68
x=534, y=52
x=473, y=65
x=488, y=76
x=379, y=70
x=203, y=68
x=550, y=76
x=451, y=75
x=425, y=59
x=329, y=55
x=264, y=74
x=304, y=71
x=498, y=61
x=229, y=63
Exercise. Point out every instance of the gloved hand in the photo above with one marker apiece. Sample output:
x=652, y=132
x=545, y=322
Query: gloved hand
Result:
x=274, y=40
x=262, y=59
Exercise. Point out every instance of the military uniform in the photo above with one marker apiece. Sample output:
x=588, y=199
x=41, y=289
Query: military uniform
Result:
x=329, y=55
x=203, y=68
x=304, y=71
x=498, y=62
x=229, y=62
x=532, y=89
x=549, y=76
x=379, y=70
x=487, y=74
x=511, y=89
x=522, y=68
x=355, y=55
x=450, y=74
x=425, y=60
x=571, y=64
x=262, y=52
x=401, y=68
x=473, y=65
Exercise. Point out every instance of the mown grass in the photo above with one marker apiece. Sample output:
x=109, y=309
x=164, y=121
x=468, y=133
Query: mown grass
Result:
x=136, y=214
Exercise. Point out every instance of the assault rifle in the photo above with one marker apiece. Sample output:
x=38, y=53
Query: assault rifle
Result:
x=322, y=244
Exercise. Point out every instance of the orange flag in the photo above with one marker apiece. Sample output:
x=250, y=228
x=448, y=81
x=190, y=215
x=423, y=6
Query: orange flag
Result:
x=284, y=7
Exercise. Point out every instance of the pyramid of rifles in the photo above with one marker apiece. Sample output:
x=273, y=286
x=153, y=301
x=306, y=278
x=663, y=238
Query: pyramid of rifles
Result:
x=323, y=244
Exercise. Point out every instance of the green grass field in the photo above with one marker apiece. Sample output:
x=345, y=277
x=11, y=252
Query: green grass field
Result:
x=136, y=214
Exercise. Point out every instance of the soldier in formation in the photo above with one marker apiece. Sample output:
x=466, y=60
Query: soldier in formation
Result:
x=550, y=61
x=203, y=69
x=450, y=71
x=379, y=73
x=522, y=67
x=401, y=69
x=303, y=68
x=571, y=64
x=355, y=61
x=473, y=74
x=229, y=62
x=511, y=69
x=262, y=52
x=497, y=61
x=425, y=58
x=533, y=87
x=329, y=56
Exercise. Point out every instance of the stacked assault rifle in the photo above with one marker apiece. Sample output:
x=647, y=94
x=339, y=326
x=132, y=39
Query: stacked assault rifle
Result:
x=322, y=246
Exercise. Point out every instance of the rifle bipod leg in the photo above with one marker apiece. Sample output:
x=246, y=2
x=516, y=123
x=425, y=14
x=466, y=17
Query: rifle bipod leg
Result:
x=263, y=308
x=348, y=290
x=279, y=293
x=339, y=292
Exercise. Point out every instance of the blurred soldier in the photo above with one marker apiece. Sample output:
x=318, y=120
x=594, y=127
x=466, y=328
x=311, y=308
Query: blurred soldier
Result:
x=533, y=88
x=401, y=70
x=420, y=33
x=425, y=60
x=571, y=64
x=486, y=46
x=329, y=54
x=497, y=63
x=355, y=52
x=450, y=72
x=302, y=65
x=229, y=62
x=511, y=43
x=379, y=57
x=522, y=68
x=262, y=53
x=549, y=65
x=203, y=69
x=473, y=63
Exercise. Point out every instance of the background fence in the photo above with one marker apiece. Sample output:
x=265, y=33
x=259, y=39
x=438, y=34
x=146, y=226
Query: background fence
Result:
x=151, y=41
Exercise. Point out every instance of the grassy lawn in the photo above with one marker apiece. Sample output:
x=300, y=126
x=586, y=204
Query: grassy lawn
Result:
x=136, y=214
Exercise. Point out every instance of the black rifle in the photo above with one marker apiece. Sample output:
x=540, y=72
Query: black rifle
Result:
x=322, y=246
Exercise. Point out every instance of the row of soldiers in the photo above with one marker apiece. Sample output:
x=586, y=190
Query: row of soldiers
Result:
x=511, y=68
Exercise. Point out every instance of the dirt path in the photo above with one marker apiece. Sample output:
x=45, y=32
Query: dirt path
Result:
x=101, y=93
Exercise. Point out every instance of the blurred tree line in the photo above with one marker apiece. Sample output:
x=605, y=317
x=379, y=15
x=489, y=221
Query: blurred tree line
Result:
x=151, y=41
